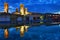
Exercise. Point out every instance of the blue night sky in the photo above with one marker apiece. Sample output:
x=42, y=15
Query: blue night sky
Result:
x=33, y=5
x=34, y=33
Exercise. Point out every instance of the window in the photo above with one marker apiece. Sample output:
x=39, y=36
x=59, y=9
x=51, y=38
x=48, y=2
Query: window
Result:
x=27, y=18
x=4, y=18
x=38, y=17
x=19, y=19
x=34, y=18
x=31, y=18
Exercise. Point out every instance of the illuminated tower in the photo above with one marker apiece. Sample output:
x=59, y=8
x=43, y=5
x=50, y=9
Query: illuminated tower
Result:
x=21, y=9
x=6, y=7
x=26, y=11
x=16, y=11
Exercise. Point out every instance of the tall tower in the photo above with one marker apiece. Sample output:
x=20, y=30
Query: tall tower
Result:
x=16, y=11
x=26, y=11
x=6, y=7
x=21, y=9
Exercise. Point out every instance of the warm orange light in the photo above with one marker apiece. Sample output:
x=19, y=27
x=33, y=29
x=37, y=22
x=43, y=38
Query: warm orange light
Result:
x=26, y=28
x=6, y=33
x=26, y=12
x=6, y=7
x=22, y=9
x=22, y=31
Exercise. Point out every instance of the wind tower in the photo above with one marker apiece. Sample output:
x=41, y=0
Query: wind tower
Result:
x=16, y=11
x=22, y=9
x=26, y=12
x=6, y=7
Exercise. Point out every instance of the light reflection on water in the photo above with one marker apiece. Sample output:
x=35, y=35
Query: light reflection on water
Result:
x=40, y=32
